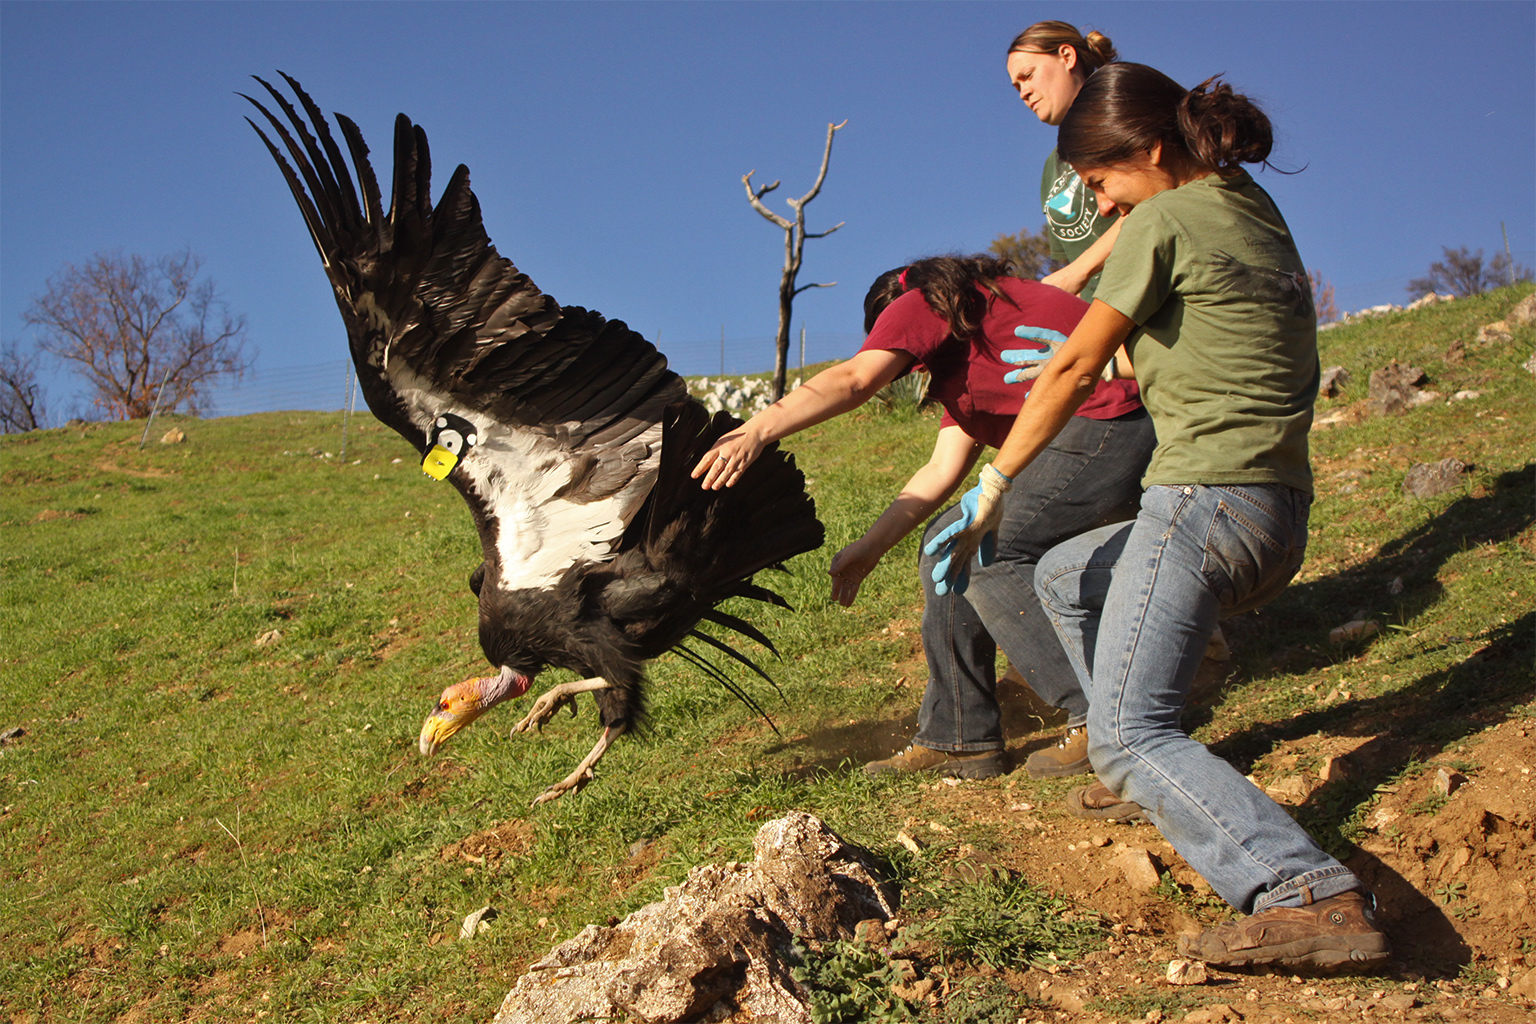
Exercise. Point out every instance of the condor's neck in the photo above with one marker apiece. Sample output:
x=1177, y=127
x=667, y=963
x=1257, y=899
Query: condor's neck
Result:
x=503, y=686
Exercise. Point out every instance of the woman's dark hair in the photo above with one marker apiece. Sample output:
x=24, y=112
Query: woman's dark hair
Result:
x=1093, y=50
x=1124, y=109
x=949, y=285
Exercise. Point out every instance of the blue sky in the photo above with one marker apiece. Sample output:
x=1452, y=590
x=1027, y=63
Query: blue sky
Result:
x=607, y=142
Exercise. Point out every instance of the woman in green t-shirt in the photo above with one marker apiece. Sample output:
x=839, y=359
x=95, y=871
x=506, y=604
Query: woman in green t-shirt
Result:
x=1207, y=292
x=1048, y=64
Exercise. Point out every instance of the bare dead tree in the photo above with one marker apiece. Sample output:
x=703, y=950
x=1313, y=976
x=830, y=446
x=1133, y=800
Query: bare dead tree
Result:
x=794, y=244
x=127, y=323
x=21, y=399
x=1322, y=297
x=1463, y=273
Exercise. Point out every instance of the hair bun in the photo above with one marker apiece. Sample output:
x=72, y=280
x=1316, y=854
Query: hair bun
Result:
x=1102, y=48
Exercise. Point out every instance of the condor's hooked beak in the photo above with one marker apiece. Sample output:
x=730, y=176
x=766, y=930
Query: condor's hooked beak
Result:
x=460, y=704
x=464, y=702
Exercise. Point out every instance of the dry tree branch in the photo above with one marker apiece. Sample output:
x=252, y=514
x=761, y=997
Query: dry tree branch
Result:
x=794, y=246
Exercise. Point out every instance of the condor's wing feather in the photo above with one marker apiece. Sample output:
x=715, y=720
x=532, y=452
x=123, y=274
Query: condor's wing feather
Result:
x=439, y=323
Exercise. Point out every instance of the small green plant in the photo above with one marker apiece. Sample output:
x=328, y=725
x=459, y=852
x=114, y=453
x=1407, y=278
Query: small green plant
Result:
x=1138, y=1003
x=1478, y=974
x=1189, y=899
x=907, y=392
x=849, y=983
x=986, y=1001
x=1430, y=804
x=1465, y=911
x=1004, y=921
x=1451, y=892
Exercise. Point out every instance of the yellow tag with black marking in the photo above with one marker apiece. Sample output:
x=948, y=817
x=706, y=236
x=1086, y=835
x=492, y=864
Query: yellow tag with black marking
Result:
x=439, y=462
x=452, y=438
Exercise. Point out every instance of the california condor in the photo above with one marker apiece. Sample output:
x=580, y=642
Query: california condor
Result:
x=566, y=434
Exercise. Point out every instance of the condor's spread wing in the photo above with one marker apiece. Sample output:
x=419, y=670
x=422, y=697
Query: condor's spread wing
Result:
x=547, y=418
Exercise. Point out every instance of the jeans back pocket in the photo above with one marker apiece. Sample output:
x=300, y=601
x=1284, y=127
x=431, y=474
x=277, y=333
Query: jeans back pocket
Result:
x=1253, y=546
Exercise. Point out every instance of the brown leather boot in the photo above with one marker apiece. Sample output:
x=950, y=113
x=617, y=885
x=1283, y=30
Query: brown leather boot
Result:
x=984, y=764
x=1067, y=757
x=1338, y=932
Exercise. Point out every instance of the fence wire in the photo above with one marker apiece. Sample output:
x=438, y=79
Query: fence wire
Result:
x=323, y=386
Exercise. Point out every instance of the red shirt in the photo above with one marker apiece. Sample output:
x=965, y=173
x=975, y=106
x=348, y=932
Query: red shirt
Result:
x=968, y=378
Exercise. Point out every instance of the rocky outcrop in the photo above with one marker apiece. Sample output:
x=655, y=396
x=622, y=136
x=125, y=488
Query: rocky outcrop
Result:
x=1427, y=479
x=718, y=946
x=1395, y=389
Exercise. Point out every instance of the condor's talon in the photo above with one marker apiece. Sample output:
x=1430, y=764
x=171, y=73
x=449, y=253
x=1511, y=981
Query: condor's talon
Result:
x=572, y=784
x=583, y=773
x=549, y=702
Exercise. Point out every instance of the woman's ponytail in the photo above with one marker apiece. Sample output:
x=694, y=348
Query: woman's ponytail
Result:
x=1224, y=129
x=1126, y=109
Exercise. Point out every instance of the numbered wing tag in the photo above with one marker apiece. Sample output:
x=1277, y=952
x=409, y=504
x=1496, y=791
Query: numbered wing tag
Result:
x=452, y=438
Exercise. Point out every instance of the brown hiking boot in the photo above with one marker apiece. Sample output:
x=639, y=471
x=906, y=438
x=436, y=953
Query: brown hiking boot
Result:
x=1097, y=802
x=1339, y=932
x=1068, y=757
x=986, y=764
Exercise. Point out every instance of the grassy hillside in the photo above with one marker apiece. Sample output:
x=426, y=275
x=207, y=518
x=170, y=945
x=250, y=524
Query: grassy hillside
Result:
x=221, y=651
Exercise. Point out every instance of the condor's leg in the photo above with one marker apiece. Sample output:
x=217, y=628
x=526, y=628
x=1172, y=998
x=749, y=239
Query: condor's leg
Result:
x=553, y=699
x=583, y=773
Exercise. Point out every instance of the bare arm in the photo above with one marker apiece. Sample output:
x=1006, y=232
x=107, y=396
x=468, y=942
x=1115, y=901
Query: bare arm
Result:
x=1063, y=385
x=1074, y=276
x=954, y=453
x=830, y=393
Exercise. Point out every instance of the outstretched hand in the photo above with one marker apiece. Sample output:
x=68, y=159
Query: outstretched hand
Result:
x=724, y=463
x=1032, y=359
x=974, y=533
x=849, y=568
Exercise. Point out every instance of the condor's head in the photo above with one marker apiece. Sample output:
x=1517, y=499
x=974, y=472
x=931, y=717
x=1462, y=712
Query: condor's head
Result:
x=464, y=702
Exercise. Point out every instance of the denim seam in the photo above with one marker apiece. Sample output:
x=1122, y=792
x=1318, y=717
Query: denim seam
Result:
x=1119, y=737
x=1232, y=513
x=1056, y=622
x=1309, y=880
x=1066, y=482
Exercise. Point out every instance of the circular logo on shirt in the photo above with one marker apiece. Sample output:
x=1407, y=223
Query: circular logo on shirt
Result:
x=1070, y=208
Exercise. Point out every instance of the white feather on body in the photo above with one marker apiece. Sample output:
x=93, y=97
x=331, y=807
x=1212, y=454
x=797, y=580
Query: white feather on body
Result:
x=518, y=472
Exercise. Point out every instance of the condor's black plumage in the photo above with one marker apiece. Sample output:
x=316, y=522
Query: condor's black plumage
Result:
x=566, y=434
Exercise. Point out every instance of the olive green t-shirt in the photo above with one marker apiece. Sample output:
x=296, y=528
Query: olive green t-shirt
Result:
x=1226, y=353
x=1071, y=215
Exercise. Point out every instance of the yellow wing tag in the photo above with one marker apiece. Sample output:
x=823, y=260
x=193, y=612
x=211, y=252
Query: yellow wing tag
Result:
x=439, y=462
x=452, y=438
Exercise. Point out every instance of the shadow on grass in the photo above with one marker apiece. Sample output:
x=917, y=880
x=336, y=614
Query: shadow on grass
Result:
x=1307, y=610
x=1416, y=722
x=1028, y=724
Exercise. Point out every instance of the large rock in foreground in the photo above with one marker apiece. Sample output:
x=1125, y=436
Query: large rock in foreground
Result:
x=717, y=947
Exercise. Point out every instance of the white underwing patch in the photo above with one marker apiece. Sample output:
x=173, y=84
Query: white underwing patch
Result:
x=518, y=473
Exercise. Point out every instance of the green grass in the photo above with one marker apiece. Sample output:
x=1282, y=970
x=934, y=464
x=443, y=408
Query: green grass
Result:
x=195, y=827
x=1006, y=922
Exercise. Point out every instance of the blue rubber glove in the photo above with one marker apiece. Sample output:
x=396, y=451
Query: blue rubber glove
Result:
x=974, y=533
x=1032, y=359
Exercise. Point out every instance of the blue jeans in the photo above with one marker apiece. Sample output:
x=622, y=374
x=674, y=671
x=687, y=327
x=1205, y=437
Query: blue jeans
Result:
x=1134, y=605
x=1089, y=476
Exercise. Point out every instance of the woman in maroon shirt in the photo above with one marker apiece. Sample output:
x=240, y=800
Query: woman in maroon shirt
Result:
x=953, y=316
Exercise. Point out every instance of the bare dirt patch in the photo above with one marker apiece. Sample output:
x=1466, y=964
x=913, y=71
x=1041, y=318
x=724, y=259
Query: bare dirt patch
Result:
x=1454, y=876
x=143, y=474
x=489, y=847
x=49, y=515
